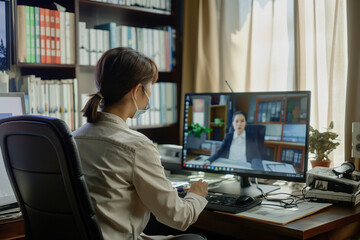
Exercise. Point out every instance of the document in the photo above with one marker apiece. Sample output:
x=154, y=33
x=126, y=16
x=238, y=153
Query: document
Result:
x=280, y=215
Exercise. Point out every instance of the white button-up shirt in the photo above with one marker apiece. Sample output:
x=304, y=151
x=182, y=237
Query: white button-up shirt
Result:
x=126, y=180
x=238, y=147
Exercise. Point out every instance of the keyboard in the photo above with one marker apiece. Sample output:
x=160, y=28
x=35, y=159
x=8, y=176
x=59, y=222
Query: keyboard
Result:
x=227, y=202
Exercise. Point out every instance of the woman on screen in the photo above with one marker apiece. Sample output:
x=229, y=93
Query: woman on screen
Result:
x=239, y=144
x=122, y=166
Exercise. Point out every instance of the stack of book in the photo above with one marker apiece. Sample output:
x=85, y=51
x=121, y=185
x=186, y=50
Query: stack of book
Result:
x=269, y=111
x=157, y=44
x=45, y=35
x=163, y=106
x=53, y=98
x=154, y=4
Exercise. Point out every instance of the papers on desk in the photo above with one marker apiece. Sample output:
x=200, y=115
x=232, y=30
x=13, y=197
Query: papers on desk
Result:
x=278, y=167
x=281, y=215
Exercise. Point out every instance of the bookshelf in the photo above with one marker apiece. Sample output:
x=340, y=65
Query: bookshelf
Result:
x=287, y=112
x=219, y=128
x=95, y=13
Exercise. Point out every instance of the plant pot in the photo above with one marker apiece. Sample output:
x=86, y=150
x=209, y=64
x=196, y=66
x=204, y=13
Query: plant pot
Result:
x=195, y=142
x=316, y=163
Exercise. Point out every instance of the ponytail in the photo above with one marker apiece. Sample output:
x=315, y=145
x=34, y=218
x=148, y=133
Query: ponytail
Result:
x=91, y=107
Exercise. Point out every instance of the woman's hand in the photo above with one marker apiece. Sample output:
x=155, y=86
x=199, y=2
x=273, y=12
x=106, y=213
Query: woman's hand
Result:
x=199, y=188
x=207, y=163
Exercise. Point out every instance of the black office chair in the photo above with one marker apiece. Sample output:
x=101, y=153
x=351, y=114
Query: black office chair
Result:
x=43, y=165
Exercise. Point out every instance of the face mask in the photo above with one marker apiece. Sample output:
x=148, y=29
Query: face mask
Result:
x=138, y=111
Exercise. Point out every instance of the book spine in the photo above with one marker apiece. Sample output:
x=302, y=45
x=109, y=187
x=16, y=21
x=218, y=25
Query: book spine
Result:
x=67, y=38
x=37, y=35
x=32, y=35
x=48, y=36
x=106, y=45
x=72, y=38
x=62, y=38
x=99, y=43
x=42, y=35
x=52, y=32
x=57, y=38
x=92, y=46
x=28, y=34
x=22, y=33
x=82, y=43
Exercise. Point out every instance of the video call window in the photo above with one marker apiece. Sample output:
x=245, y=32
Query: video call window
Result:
x=257, y=132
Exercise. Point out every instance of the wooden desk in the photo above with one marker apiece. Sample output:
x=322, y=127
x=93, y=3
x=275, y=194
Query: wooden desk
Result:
x=317, y=226
x=321, y=225
x=12, y=229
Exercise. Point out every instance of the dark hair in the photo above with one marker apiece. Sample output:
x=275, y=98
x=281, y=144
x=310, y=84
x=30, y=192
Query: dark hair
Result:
x=117, y=72
x=239, y=112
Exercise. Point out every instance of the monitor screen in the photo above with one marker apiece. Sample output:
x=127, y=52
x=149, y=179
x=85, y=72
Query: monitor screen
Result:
x=4, y=35
x=254, y=134
x=11, y=104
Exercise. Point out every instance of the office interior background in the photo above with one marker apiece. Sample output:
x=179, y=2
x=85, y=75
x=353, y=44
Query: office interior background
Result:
x=256, y=45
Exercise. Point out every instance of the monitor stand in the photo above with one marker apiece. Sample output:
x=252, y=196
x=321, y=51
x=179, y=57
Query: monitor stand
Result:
x=243, y=186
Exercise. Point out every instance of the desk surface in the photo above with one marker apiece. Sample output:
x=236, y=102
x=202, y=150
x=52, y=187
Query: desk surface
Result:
x=311, y=226
x=12, y=229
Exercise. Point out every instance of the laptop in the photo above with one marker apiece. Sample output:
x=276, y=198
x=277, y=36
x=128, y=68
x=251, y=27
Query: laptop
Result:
x=11, y=104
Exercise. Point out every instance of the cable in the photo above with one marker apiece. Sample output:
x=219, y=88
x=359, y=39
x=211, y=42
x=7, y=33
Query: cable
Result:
x=291, y=200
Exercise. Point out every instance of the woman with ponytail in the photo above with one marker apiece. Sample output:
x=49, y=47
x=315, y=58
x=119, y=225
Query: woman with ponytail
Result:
x=122, y=166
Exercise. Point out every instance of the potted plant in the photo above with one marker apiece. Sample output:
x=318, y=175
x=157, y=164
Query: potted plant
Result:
x=196, y=135
x=322, y=144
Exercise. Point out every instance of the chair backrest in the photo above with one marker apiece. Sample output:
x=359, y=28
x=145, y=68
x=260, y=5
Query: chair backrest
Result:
x=43, y=164
x=258, y=131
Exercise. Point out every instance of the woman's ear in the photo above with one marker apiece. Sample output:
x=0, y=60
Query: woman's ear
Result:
x=137, y=90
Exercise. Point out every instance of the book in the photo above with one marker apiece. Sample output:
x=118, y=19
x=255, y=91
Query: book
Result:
x=32, y=33
x=57, y=38
x=99, y=43
x=28, y=34
x=111, y=27
x=70, y=37
x=83, y=44
x=92, y=46
x=52, y=34
x=22, y=33
x=62, y=38
x=42, y=36
x=48, y=36
x=37, y=35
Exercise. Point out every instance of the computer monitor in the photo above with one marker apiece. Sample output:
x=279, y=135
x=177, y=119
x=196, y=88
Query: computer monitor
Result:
x=5, y=21
x=11, y=104
x=271, y=143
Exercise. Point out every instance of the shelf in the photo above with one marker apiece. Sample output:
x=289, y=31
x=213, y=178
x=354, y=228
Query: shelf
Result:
x=134, y=9
x=125, y=15
x=48, y=71
x=44, y=65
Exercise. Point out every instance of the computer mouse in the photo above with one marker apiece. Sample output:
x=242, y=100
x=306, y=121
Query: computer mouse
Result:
x=244, y=199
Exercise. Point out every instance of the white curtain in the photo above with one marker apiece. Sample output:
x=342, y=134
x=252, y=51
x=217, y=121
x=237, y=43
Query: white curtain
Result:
x=261, y=42
x=323, y=63
x=257, y=44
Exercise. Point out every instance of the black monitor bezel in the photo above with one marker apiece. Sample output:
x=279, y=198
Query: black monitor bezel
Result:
x=8, y=37
x=245, y=173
